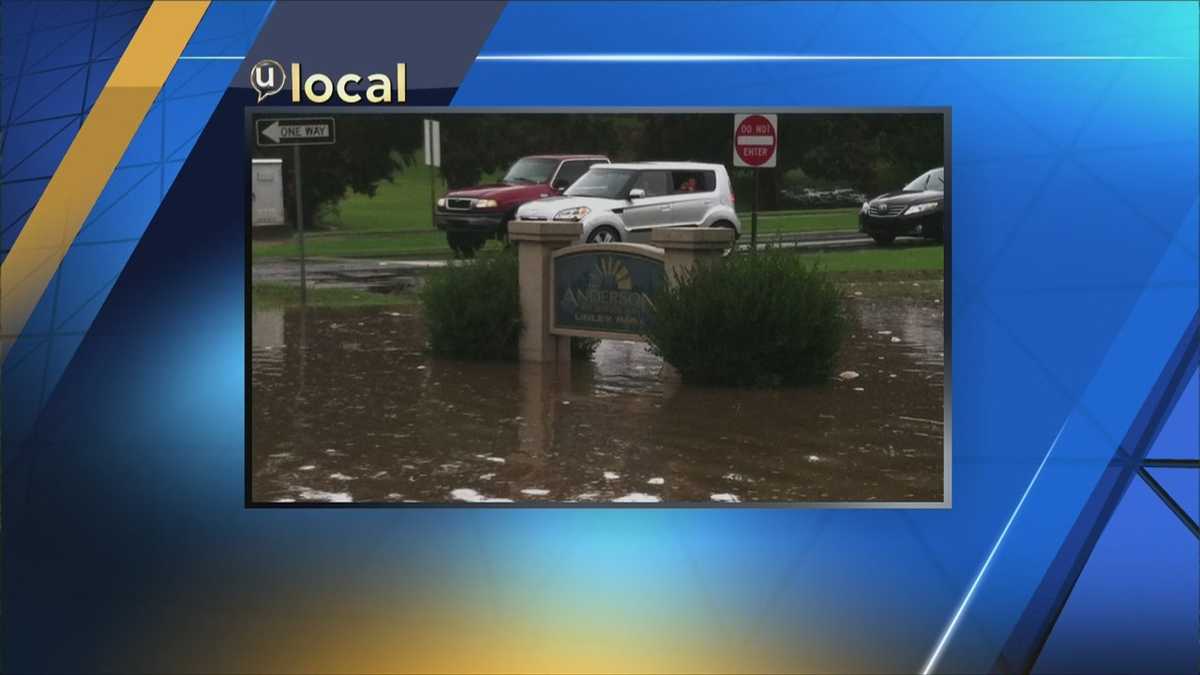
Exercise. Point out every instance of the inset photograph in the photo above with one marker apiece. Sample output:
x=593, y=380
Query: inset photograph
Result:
x=599, y=309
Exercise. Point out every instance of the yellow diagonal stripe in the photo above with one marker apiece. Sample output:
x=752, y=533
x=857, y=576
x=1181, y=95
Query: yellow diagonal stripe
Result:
x=91, y=159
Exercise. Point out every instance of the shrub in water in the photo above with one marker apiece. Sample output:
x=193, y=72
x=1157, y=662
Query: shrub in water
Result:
x=767, y=319
x=473, y=310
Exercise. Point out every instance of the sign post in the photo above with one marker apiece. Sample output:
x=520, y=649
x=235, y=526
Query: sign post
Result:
x=755, y=145
x=296, y=131
x=433, y=160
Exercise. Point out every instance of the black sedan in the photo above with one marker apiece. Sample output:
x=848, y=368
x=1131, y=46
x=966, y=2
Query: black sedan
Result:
x=915, y=210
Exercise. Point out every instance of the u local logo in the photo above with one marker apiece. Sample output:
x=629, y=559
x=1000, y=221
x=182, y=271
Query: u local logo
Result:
x=268, y=77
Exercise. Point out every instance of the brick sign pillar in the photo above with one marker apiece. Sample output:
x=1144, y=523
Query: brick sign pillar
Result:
x=684, y=246
x=536, y=241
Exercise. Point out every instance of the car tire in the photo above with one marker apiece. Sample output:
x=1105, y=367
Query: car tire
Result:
x=464, y=244
x=604, y=235
x=729, y=226
x=884, y=239
x=502, y=231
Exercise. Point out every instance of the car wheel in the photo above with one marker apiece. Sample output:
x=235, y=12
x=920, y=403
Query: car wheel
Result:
x=464, y=244
x=455, y=240
x=729, y=226
x=884, y=239
x=502, y=231
x=604, y=235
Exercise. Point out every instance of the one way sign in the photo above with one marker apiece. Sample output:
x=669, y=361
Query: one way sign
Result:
x=295, y=131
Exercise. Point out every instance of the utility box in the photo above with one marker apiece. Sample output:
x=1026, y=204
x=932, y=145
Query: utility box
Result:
x=266, y=193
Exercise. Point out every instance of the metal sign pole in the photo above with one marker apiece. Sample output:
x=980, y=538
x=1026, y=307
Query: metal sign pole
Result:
x=300, y=227
x=754, y=215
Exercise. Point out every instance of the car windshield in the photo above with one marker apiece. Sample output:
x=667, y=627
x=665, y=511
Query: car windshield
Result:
x=531, y=170
x=930, y=180
x=597, y=182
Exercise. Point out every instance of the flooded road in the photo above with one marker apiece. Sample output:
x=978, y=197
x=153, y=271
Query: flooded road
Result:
x=348, y=406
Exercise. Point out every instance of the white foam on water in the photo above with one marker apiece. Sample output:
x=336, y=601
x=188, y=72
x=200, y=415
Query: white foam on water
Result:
x=311, y=495
x=726, y=498
x=469, y=495
x=308, y=467
x=611, y=475
x=341, y=476
x=487, y=476
x=498, y=460
x=535, y=492
x=655, y=481
x=637, y=498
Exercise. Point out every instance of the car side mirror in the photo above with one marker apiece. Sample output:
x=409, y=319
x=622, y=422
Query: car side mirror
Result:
x=636, y=193
x=560, y=184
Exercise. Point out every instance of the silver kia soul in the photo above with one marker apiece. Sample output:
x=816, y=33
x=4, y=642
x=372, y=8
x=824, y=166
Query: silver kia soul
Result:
x=627, y=202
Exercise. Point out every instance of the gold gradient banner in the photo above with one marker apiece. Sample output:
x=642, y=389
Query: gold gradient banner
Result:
x=91, y=160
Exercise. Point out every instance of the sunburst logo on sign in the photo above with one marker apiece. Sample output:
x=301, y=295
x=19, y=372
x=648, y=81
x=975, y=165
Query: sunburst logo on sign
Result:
x=610, y=274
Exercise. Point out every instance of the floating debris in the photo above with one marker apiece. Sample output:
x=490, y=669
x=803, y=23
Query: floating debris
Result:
x=535, y=492
x=895, y=339
x=611, y=475
x=847, y=375
x=655, y=481
x=308, y=467
x=487, y=476
x=341, y=476
x=725, y=498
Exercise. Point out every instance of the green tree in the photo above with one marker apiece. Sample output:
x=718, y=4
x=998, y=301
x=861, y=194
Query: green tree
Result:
x=368, y=150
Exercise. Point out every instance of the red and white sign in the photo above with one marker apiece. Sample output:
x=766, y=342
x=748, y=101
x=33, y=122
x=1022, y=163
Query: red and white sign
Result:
x=755, y=140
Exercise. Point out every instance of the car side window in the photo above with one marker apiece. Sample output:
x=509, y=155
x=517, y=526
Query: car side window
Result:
x=693, y=181
x=937, y=181
x=655, y=183
x=570, y=172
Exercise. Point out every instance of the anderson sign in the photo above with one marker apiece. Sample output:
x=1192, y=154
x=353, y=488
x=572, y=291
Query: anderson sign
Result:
x=605, y=290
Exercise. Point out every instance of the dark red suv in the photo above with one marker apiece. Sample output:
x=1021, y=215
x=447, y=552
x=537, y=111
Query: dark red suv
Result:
x=472, y=215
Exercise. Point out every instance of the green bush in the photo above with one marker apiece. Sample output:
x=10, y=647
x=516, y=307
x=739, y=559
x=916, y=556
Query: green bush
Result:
x=750, y=320
x=473, y=311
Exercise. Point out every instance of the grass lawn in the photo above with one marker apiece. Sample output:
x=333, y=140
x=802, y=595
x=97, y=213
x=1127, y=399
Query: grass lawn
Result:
x=921, y=259
x=279, y=295
x=817, y=220
x=402, y=204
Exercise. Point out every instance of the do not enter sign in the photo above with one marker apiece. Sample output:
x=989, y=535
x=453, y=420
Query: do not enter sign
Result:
x=755, y=140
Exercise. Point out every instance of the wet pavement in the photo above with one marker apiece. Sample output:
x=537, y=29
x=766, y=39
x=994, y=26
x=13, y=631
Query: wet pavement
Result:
x=348, y=406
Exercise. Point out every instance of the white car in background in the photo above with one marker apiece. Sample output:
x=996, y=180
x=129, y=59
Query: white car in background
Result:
x=627, y=202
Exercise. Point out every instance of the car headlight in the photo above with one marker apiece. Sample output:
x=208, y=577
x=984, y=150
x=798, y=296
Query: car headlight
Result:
x=441, y=203
x=921, y=208
x=486, y=204
x=577, y=213
x=865, y=207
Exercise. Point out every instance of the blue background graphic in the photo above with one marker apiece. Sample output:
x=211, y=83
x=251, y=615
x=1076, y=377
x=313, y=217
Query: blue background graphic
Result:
x=1073, y=363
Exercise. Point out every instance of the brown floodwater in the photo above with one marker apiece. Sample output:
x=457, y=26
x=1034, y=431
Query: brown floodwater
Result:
x=348, y=405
